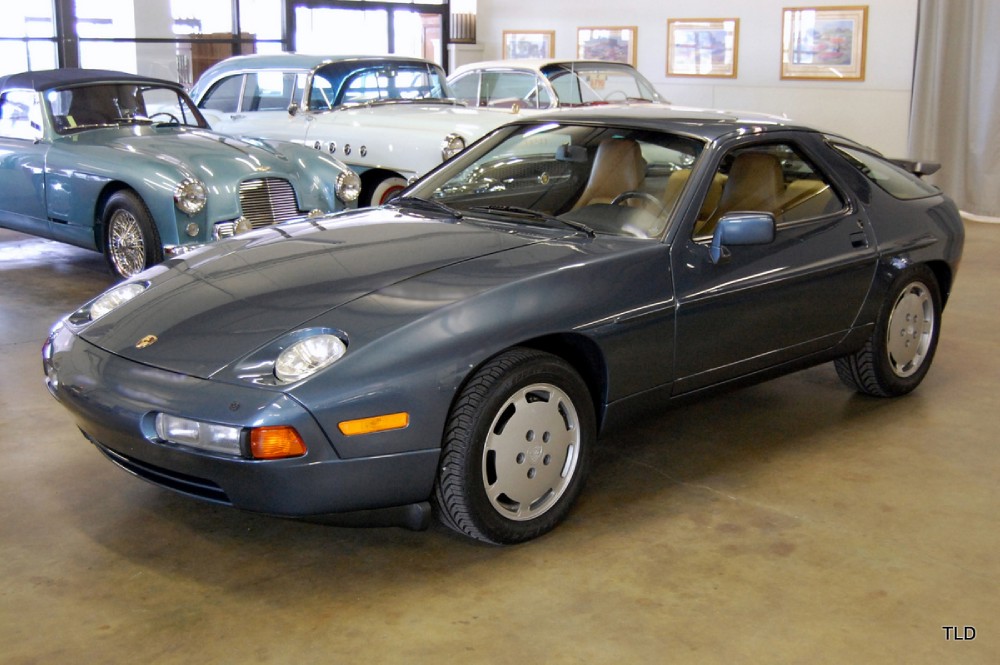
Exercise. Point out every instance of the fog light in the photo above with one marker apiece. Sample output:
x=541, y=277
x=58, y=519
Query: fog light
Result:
x=276, y=443
x=197, y=434
x=193, y=230
x=242, y=225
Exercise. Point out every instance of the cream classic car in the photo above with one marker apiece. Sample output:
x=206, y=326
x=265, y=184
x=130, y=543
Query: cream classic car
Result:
x=535, y=84
x=390, y=118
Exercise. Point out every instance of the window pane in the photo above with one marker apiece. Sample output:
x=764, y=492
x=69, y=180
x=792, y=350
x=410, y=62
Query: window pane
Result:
x=897, y=181
x=261, y=18
x=197, y=17
x=771, y=178
x=19, y=56
x=341, y=31
x=224, y=95
x=27, y=19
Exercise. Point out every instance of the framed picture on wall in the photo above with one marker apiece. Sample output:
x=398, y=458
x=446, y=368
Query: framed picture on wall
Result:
x=529, y=44
x=824, y=43
x=613, y=44
x=703, y=47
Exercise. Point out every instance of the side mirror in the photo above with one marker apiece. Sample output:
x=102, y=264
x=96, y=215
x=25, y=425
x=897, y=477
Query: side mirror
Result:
x=293, y=109
x=741, y=228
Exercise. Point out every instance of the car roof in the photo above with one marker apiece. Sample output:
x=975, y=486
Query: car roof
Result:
x=54, y=78
x=707, y=123
x=302, y=60
x=534, y=64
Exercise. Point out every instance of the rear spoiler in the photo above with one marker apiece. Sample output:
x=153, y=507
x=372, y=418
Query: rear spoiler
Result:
x=916, y=167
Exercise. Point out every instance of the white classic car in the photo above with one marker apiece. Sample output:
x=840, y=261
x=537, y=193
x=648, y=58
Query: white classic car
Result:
x=390, y=118
x=545, y=84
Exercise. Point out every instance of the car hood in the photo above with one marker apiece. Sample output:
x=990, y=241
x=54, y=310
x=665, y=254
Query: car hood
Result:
x=442, y=117
x=213, y=307
x=197, y=153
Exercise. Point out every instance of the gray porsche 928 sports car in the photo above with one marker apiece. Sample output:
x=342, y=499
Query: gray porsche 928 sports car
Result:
x=463, y=346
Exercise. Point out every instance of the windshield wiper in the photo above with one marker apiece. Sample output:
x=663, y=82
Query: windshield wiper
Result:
x=534, y=214
x=424, y=204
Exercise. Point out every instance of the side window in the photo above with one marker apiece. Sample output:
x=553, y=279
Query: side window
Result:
x=269, y=91
x=224, y=95
x=508, y=88
x=774, y=178
x=20, y=115
x=466, y=88
x=895, y=180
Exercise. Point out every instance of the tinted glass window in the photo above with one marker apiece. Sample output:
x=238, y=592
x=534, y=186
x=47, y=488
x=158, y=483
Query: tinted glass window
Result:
x=897, y=181
x=224, y=95
x=774, y=178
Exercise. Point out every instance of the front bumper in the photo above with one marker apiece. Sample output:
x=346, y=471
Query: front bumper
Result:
x=114, y=402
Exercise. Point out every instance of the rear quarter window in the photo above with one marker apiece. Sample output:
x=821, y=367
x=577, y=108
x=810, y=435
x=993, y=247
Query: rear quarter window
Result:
x=895, y=180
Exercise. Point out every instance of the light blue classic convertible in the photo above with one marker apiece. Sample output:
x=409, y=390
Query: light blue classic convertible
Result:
x=128, y=166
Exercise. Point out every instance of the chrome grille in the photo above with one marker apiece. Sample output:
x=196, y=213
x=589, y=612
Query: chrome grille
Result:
x=268, y=201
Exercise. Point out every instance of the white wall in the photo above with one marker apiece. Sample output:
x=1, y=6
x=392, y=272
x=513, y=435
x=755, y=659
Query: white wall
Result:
x=874, y=111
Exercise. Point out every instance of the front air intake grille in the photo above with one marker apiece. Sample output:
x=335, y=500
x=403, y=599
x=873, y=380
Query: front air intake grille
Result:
x=199, y=488
x=268, y=201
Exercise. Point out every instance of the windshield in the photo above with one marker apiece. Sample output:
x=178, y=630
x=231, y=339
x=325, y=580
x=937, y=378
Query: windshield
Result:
x=582, y=84
x=114, y=104
x=613, y=180
x=333, y=86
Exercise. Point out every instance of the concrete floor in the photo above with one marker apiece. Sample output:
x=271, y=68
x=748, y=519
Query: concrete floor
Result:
x=790, y=522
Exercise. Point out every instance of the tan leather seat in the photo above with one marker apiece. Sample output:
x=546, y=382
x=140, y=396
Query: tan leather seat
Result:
x=618, y=167
x=755, y=184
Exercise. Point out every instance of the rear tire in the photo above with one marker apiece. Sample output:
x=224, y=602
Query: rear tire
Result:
x=131, y=243
x=897, y=356
x=516, y=448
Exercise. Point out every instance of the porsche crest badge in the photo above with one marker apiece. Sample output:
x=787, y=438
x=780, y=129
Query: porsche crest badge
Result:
x=148, y=340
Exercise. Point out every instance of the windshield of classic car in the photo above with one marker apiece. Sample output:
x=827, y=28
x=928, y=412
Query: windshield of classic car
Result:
x=113, y=104
x=614, y=180
x=384, y=83
x=578, y=85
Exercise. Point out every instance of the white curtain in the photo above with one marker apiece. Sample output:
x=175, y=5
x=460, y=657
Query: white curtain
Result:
x=955, y=113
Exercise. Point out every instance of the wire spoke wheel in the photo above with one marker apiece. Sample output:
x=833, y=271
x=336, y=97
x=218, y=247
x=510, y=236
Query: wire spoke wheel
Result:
x=126, y=246
x=131, y=242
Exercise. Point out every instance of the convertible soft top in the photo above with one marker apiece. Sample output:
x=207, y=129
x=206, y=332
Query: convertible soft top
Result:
x=55, y=78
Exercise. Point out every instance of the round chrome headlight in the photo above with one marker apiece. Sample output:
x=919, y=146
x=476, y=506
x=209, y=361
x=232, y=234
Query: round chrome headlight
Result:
x=307, y=356
x=348, y=186
x=191, y=196
x=452, y=145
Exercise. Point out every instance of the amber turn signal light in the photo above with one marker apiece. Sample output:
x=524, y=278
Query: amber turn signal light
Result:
x=374, y=424
x=276, y=443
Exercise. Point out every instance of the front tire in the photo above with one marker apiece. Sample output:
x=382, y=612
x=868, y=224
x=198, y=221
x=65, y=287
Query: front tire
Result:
x=384, y=190
x=516, y=448
x=899, y=352
x=131, y=243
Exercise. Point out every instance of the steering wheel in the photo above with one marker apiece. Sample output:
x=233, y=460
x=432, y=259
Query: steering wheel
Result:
x=174, y=120
x=647, y=197
x=638, y=226
x=608, y=96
